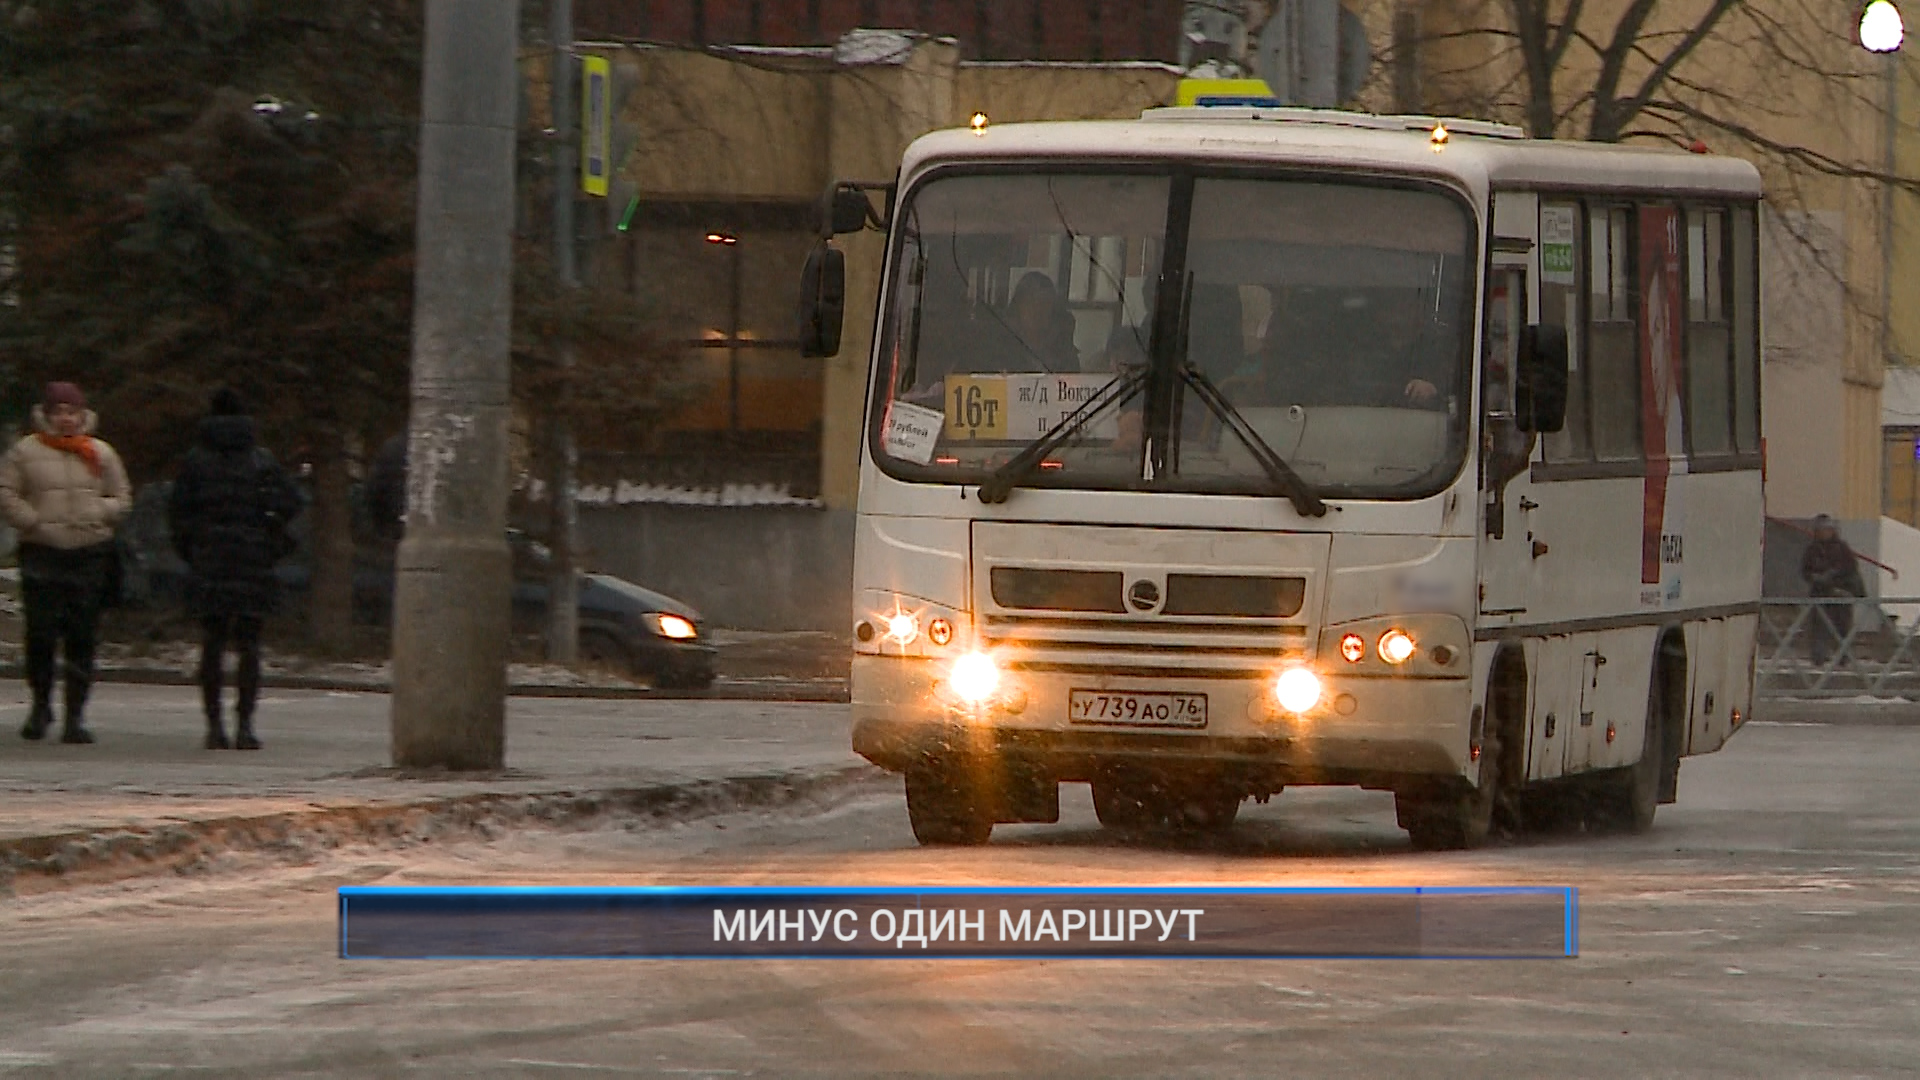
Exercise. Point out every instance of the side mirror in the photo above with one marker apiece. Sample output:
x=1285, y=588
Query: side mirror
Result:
x=847, y=210
x=823, y=301
x=1540, y=392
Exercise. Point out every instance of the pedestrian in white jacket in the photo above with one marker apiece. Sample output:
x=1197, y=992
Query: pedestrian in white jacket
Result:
x=63, y=491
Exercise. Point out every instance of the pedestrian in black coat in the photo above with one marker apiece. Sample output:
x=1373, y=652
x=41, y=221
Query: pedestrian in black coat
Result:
x=228, y=515
x=1831, y=570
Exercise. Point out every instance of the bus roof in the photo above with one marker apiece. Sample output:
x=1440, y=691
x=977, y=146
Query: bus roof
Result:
x=1480, y=155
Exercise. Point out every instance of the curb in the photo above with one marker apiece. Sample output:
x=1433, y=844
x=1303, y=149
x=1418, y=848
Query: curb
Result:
x=191, y=847
x=833, y=692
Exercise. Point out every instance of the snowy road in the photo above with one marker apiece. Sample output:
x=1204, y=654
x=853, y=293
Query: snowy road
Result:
x=1766, y=927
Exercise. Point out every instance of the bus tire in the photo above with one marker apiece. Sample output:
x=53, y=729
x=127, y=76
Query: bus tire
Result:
x=1205, y=811
x=1454, y=819
x=945, y=812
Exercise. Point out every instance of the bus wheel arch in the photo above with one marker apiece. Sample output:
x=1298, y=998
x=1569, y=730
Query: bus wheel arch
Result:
x=1460, y=815
x=1629, y=796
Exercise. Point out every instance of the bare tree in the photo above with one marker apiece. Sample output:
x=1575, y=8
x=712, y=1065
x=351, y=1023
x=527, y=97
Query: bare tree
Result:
x=1781, y=83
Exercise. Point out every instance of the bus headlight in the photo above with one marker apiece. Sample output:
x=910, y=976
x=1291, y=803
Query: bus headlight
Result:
x=902, y=628
x=974, y=678
x=1396, y=647
x=1297, y=690
x=1353, y=648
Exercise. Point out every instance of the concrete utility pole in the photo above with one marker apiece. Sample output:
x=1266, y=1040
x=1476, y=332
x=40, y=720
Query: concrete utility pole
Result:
x=453, y=568
x=563, y=587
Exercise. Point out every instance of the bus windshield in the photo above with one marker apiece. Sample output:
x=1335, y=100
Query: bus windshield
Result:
x=1332, y=317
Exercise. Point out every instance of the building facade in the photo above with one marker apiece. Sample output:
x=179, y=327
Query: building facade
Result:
x=744, y=503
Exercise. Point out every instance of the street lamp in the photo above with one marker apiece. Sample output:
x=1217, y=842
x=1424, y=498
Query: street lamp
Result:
x=731, y=243
x=1881, y=30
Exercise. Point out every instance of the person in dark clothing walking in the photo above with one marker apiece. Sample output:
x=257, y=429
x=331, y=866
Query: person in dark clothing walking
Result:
x=387, y=489
x=1829, y=568
x=228, y=514
x=64, y=491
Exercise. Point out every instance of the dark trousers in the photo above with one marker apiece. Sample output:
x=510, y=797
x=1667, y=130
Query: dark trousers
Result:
x=243, y=631
x=61, y=591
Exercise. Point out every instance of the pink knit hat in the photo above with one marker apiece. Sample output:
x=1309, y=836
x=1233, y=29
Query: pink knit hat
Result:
x=64, y=393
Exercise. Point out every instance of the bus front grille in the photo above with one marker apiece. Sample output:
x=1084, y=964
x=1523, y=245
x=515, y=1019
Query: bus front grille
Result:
x=1159, y=647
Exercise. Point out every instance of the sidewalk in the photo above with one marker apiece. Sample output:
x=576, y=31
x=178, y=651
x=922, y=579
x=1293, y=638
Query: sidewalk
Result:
x=147, y=792
x=750, y=665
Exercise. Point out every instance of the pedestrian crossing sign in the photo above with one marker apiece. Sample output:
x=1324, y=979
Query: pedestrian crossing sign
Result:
x=596, y=125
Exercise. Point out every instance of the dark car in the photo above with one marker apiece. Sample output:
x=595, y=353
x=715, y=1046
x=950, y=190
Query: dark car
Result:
x=622, y=624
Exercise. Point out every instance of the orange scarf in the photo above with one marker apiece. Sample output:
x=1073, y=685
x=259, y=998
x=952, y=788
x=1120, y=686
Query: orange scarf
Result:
x=75, y=444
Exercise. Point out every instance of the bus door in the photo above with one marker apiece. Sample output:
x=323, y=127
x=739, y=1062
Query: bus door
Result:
x=1506, y=555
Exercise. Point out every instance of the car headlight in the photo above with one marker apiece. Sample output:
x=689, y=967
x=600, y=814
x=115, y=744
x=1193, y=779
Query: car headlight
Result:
x=672, y=626
x=974, y=678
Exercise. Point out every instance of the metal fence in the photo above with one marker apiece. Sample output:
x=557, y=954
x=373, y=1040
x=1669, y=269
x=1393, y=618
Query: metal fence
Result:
x=1838, y=648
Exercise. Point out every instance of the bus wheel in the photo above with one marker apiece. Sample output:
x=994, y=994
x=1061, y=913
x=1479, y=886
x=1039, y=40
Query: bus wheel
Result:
x=1201, y=810
x=944, y=810
x=1454, y=818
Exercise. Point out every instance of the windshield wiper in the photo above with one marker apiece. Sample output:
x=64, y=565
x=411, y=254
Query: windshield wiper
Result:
x=996, y=488
x=1305, y=502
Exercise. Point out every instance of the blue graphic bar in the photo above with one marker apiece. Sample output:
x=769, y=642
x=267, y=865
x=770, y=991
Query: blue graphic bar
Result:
x=1528, y=922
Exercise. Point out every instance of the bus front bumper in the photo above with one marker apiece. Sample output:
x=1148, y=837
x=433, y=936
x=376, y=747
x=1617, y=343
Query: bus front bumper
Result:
x=1368, y=731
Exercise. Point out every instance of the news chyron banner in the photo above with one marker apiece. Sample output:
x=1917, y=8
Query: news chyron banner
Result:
x=967, y=922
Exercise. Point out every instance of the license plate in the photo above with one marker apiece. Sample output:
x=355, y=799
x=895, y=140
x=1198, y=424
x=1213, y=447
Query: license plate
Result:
x=1135, y=708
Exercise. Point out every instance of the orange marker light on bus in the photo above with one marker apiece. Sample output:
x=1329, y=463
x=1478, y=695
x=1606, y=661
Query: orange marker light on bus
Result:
x=1396, y=647
x=1352, y=648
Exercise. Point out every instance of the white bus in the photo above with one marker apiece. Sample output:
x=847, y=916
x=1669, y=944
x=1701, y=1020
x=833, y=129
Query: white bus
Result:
x=1232, y=449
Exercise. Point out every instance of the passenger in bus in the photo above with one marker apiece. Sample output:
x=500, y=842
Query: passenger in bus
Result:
x=1398, y=355
x=1326, y=351
x=1041, y=327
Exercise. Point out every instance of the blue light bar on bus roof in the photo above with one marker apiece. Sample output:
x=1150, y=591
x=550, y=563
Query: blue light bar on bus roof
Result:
x=1222, y=100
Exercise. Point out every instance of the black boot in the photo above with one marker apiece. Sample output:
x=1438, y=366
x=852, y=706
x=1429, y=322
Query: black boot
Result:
x=39, y=719
x=40, y=682
x=245, y=739
x=217, y=731
x=75, y=728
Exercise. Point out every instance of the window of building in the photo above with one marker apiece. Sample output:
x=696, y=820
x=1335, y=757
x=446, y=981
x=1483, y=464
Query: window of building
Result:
x=1613, y=338
x=1900, y=474
x=721, y=276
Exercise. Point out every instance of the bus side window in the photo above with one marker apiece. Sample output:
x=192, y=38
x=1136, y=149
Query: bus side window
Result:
x=1613, y=338
x=1709, y=335
x=1746, y=332
x=1561, y=255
